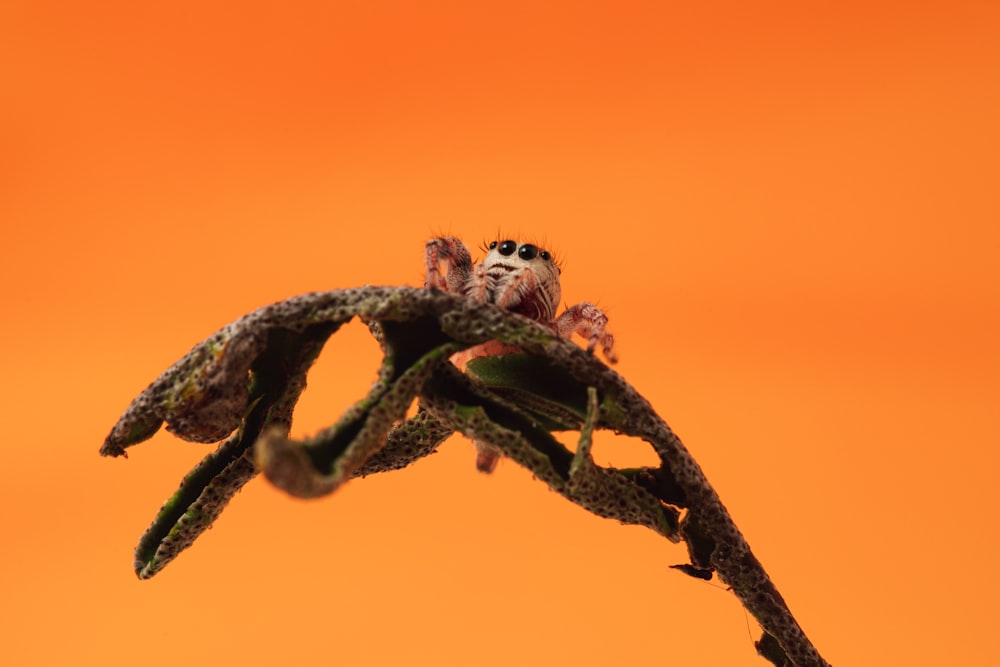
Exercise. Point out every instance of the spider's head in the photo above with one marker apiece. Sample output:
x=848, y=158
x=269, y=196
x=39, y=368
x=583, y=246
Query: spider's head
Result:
x=506, y=259
x=516, y=255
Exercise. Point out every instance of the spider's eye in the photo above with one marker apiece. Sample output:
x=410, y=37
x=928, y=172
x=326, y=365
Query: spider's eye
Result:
x=527, y=251
x=493, y=244
x=545, y=255
x=507, y=248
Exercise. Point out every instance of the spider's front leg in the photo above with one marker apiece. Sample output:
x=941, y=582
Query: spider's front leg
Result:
x=590, y=322
x=455, y=257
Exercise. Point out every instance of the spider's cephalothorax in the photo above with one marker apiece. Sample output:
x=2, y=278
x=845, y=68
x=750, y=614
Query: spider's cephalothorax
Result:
x=520, y=277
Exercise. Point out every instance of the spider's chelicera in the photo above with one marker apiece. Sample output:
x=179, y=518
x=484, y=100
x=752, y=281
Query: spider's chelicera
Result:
x=520, y=277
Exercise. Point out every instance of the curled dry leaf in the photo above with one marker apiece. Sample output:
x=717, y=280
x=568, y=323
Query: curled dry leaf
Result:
x=241, y=385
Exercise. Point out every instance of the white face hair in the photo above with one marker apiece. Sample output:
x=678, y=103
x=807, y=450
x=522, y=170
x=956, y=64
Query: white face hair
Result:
x=506, y=259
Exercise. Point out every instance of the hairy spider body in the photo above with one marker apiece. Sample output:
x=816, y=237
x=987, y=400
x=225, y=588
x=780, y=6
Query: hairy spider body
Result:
x=520, y=277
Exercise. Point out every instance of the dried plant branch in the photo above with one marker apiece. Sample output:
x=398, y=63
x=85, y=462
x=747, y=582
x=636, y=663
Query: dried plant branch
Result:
x=243, y=382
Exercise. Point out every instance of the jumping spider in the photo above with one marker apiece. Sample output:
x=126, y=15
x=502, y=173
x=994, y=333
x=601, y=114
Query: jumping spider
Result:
x=520, y=277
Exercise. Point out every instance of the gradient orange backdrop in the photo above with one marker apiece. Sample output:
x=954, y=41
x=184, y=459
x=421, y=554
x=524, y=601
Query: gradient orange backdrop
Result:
x=790, y=213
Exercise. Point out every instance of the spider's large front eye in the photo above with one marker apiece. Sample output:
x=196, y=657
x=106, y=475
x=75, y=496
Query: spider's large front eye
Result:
x=527, y=251
x=507, y=248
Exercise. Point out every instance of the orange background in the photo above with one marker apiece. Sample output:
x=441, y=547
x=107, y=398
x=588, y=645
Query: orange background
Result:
x=790, y=213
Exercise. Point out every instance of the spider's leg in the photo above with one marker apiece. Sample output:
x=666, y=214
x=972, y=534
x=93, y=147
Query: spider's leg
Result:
x=590, y=322
x=487, y=457
x=453, y=254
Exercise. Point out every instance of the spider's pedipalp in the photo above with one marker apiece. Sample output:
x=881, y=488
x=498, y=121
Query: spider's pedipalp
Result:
x=517, y=285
